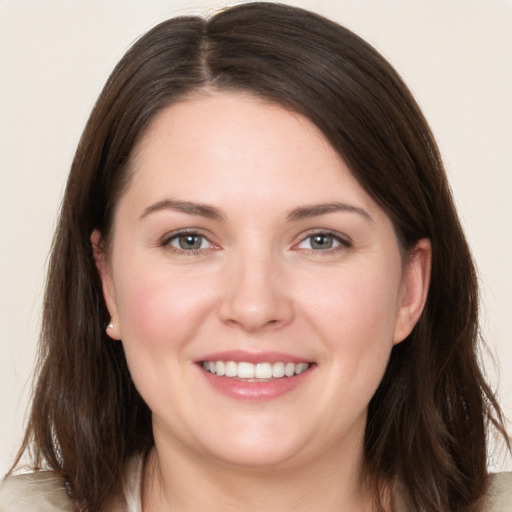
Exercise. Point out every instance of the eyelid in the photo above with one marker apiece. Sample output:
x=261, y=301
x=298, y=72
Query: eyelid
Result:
x=344, y=240
x=168, y=237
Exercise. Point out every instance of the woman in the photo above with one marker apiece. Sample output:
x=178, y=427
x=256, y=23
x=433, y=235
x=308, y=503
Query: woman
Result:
x=247, y=296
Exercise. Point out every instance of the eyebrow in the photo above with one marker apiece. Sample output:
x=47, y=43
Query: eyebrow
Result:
x=304, y=212
x=202, y=210
x=210, y=212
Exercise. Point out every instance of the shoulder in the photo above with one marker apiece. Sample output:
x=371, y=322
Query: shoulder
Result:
x=41, y=491
x=499, y=496
x=497, y=499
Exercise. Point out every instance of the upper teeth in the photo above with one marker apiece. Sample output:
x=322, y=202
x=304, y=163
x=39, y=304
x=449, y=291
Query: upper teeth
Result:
x=245, y=370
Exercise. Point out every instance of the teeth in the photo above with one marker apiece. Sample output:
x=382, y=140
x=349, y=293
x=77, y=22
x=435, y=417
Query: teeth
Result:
x=278, y=370
x=219, y=368
x=246, y=371
x=259, y=371
x=263, y=371
x=231, y=368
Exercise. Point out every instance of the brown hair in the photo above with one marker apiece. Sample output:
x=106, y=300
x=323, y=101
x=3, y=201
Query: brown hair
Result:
x=87, y=418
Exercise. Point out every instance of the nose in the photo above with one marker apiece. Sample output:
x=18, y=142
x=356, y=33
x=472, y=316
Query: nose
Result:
x=256, y=296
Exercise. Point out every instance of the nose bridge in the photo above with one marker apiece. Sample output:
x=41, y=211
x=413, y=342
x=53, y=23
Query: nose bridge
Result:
x=255, y=296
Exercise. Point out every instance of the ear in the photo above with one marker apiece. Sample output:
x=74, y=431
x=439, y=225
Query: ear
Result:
x=100, y=258
x=414, y=289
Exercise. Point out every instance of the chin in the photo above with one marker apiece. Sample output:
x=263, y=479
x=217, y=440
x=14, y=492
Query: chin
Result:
x=256, y=447
x=257, y=457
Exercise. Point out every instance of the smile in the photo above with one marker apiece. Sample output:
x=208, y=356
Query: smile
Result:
x=257, y=372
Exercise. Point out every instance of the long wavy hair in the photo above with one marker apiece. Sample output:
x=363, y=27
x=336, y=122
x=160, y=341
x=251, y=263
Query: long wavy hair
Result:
x=428, y=420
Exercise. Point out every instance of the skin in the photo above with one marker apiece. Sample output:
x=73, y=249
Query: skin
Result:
x=255, y=284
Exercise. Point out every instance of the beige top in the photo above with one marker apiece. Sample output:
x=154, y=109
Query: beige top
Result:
x=43, y=492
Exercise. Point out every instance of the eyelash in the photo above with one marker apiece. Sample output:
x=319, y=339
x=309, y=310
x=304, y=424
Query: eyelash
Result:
x=166, y=242
x=343, y=242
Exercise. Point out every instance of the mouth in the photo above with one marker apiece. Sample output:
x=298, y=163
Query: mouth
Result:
x=255, y=372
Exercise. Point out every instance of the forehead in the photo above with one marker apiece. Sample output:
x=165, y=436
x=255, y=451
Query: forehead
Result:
x=218, y=147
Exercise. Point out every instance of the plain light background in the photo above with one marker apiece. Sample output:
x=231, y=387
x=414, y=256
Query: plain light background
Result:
x=55, y=55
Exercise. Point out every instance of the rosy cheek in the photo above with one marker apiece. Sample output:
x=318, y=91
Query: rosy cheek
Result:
x=357, y=312
x=160, y=309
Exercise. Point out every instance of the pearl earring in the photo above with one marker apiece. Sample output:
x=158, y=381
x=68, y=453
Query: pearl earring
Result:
x=110, y=325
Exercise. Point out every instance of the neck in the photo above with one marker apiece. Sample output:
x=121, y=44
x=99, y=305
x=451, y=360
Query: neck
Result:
x=180, y=483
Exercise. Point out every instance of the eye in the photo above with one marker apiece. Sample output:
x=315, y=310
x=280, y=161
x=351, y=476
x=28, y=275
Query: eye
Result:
x=188, y=242
x=322, y=241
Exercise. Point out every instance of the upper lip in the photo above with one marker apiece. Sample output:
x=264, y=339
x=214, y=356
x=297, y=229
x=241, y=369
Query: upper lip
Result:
x=253, y=357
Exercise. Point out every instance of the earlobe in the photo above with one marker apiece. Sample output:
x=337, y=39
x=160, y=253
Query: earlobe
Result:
x=100, y=258
x=414, y=291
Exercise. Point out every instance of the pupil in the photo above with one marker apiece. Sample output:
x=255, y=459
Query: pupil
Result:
x=321, y=242
x=189, y=242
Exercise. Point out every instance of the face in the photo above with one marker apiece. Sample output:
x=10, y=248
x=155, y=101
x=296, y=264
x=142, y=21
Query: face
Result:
x=256, y=287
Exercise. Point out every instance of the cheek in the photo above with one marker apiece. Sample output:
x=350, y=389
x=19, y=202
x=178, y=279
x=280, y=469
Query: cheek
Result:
x=160, y=315
x=352, y=313
x=158, y=308
x=360, y=302
x=356, y=322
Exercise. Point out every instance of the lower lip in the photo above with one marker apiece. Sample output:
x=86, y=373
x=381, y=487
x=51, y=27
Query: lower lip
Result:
x=255, y=391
